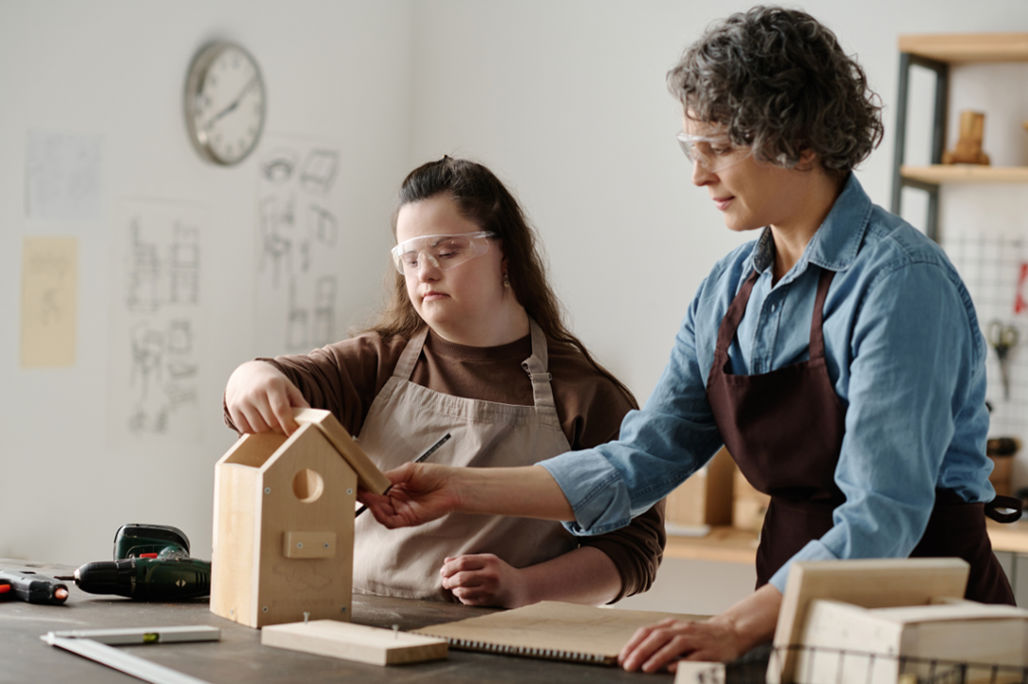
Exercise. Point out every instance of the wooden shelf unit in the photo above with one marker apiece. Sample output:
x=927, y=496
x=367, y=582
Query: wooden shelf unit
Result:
x=936, y=52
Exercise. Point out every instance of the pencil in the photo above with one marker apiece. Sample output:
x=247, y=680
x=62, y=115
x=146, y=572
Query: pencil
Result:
x=425, y=454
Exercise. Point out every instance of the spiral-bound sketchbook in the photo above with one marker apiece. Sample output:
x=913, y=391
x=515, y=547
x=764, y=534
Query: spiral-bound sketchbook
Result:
x=551, y=629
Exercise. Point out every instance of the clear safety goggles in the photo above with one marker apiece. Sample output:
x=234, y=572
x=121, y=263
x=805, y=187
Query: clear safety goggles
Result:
x=442, y=251
x=713, y=153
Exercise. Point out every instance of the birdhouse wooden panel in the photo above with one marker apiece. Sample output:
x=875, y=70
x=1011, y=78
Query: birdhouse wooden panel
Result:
x=283, y=523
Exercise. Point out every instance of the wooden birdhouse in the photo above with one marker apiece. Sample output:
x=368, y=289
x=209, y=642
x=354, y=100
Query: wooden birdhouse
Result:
x=283, y=523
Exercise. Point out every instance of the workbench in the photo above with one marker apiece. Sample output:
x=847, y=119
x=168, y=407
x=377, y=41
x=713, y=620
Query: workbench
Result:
x=730, y=544
x=239, y=655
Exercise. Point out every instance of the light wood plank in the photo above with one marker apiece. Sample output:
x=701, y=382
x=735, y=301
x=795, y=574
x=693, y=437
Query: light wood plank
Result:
x=364, y=644
x=369, y=476
x=968, y=47
x=870, y=583
x=965, y=173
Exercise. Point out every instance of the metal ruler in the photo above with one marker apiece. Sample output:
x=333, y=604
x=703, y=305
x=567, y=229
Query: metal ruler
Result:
x=95, y=644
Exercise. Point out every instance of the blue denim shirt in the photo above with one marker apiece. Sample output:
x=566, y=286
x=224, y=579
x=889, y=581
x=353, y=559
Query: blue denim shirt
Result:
x=905, y=354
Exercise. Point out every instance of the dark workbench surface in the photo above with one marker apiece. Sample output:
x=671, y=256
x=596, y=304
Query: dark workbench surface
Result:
x=239, y=656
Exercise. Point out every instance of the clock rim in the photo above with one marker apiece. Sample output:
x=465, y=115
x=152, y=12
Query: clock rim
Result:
x=201, y=62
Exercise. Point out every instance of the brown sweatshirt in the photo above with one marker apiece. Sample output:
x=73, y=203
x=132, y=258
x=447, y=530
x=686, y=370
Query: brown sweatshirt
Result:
x=345, y=377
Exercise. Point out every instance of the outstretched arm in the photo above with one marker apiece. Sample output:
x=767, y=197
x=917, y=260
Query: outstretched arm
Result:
x=424, y=491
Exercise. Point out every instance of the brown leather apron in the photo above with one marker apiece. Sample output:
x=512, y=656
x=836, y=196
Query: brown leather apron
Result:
x=785, y=428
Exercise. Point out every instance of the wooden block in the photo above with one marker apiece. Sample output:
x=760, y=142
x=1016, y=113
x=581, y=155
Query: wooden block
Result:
x=870, y=583
x=748, y=505
x=699, y=672
x=355, y=642
x=703, y=499
x=369, y=476
x=309, y=544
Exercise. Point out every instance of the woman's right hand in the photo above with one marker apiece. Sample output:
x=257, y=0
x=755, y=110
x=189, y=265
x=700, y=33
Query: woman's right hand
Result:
x=419, y=492
x=260, y=398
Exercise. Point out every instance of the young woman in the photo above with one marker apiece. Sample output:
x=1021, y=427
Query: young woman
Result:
x=472, y=344
x=838, y=356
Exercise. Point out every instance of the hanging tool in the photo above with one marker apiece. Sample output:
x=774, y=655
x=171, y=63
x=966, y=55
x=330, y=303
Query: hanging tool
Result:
x=151, y=563
x=1002, y=338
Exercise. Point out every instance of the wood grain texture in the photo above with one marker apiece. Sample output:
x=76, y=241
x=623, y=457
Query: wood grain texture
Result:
x=870, y=583
x=372, y=645
x=370, y=477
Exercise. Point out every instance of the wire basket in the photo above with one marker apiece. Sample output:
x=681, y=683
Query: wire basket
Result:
x=820, y=665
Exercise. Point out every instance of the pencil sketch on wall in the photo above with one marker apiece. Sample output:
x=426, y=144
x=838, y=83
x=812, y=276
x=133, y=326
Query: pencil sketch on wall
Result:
x=299, y=247
x=155, y=318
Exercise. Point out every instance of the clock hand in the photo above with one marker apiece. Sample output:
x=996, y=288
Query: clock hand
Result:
x=232, y=106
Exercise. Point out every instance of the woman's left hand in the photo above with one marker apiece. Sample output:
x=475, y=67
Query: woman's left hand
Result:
x=482, y=579
x=662, y=645
x=722, y=638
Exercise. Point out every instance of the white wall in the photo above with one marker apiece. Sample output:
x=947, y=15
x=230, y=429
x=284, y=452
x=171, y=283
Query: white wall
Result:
x=116, y=68
x=564, y=100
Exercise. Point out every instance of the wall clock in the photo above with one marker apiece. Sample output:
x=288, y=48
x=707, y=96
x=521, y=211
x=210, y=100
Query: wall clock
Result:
x=225, y=103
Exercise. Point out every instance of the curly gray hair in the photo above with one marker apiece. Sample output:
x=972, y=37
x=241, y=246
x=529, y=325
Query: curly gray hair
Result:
x=778, y=81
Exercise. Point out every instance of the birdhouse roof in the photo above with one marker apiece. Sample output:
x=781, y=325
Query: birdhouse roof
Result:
x=369, y=477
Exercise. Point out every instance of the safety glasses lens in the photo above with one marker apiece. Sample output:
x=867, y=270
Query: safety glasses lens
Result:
x=711, y=153
x=441, y=251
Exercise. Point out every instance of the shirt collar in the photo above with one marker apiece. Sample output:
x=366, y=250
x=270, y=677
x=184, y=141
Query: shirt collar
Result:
x=836, y=242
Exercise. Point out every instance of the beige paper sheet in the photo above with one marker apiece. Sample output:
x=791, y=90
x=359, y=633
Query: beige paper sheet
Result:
x=49, y=298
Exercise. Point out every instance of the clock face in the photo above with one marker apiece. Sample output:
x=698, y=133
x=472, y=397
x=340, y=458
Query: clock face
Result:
x=224, y=103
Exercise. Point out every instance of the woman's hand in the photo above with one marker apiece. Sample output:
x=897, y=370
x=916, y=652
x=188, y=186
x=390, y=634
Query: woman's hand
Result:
x=722, y=638
x=420, y=492
x=260, y=398
x=482, y=579
x=662, y=645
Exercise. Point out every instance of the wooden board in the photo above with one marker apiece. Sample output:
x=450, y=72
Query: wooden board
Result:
x=369, y=476
x=965, y=173
x=555, y=630
x=945, y=641
x=870, y=583
x=968, y=47
x=354, y=642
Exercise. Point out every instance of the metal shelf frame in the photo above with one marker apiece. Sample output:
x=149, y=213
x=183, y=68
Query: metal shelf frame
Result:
x=941, y=71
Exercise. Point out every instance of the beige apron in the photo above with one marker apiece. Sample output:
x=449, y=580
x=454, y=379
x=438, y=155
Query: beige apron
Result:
x=404, y=420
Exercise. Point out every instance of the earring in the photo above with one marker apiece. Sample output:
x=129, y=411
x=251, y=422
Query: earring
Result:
x=506, y=280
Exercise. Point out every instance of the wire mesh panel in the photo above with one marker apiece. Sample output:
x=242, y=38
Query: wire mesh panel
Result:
x=818, y=665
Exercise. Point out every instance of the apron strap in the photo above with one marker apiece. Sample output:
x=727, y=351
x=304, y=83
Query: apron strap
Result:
x=817, y=338
x=1004, y=509
x=537, y=366
x=729, y=324
x=408, y=359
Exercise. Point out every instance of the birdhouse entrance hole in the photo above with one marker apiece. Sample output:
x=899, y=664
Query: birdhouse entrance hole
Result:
x=308, y=485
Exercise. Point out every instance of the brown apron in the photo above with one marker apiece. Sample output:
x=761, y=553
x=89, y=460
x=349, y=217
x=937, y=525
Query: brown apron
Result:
x=785, y=428
x=404, y=419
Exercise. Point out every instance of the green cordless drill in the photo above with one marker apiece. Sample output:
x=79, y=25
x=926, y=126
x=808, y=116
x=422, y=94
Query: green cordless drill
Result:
x=151, y=563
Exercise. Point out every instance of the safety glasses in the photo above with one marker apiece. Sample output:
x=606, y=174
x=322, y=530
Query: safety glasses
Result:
x=713, y=153
x=442, y=251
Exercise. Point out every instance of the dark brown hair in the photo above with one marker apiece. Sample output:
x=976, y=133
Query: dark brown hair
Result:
x=484, y=200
